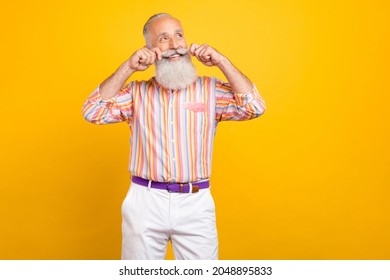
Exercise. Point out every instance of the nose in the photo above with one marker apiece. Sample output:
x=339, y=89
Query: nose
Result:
x=173, y=44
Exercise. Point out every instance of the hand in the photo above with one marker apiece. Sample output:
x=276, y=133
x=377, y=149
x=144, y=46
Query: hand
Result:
x=143, y=58
x=206, y=54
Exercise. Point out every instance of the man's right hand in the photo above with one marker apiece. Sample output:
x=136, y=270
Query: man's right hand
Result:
x=139, y=61
x=143, y=58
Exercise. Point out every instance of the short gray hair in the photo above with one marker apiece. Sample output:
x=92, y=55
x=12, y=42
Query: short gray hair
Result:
x=149, y=22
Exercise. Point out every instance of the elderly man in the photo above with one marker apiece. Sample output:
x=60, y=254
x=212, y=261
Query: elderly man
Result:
x=173, y=119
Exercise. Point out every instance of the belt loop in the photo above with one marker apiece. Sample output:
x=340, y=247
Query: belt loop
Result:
x=190, y=184
x=149, y=184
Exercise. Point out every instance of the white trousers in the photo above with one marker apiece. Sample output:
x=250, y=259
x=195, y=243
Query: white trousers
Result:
x=152, y=217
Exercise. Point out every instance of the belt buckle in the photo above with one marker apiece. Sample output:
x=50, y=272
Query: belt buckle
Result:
x=181, y=188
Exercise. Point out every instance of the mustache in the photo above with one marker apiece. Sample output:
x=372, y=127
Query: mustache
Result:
x=180, y=51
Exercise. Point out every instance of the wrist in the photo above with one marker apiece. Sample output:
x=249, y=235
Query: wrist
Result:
x=127, y=69
x=223, y=63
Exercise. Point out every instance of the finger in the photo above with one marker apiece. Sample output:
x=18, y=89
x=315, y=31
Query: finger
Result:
x=139, y=56
x=142, y=56
x=148, y=60
x=153, y=55
x=157, y=52
x=205, y=54
x=198, y=50
x=193, y=47
x=150, y=56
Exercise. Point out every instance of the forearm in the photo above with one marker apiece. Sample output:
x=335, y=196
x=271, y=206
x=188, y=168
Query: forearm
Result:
x=113, y=84
x=238, y=81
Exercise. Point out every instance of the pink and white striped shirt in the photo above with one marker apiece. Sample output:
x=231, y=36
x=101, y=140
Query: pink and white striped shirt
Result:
x=172, y=132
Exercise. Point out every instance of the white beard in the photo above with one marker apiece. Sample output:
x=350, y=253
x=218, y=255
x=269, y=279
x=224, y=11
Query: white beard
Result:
x=176, y=74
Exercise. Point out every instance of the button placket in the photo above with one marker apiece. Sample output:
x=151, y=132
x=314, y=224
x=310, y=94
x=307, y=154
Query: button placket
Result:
x=172, y=135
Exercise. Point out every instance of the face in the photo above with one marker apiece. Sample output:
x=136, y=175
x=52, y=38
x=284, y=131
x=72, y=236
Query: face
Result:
x=166, y=33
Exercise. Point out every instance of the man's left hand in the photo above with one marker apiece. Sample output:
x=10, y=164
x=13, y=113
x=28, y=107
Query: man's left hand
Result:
x=206, y=54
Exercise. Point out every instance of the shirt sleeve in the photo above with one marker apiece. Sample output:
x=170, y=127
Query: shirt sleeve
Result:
x=104, y=111
x=233, y=106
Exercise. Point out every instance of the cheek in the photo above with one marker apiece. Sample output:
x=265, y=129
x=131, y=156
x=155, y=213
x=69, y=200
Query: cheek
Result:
x=157, y=44
x=183, y=43
x=162, y=47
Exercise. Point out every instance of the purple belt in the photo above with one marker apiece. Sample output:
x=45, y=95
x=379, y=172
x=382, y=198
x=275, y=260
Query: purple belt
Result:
x=171, y=187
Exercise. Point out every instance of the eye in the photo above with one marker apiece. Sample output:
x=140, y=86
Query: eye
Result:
x=163, y=38
x=179, y=35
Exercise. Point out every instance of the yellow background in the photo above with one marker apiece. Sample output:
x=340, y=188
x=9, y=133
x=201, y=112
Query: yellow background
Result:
x=308, y=180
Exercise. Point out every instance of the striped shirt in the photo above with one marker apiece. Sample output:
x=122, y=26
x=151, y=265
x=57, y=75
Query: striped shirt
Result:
x=172, y=131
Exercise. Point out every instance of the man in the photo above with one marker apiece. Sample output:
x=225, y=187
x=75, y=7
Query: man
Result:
x=173, y=118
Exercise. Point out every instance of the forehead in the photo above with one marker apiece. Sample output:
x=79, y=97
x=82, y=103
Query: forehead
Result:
x=164, y=25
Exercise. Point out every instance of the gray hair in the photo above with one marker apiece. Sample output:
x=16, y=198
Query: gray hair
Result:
x=149, y=22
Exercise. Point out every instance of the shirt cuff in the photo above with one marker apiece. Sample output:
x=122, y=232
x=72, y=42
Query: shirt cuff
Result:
x=96, y=98
x=243, y=99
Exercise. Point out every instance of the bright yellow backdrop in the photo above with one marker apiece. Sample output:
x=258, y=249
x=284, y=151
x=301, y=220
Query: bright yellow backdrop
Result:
x=308, y=180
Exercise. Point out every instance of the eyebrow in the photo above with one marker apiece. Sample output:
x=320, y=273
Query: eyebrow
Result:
x=162, y=34
x=166, y=33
